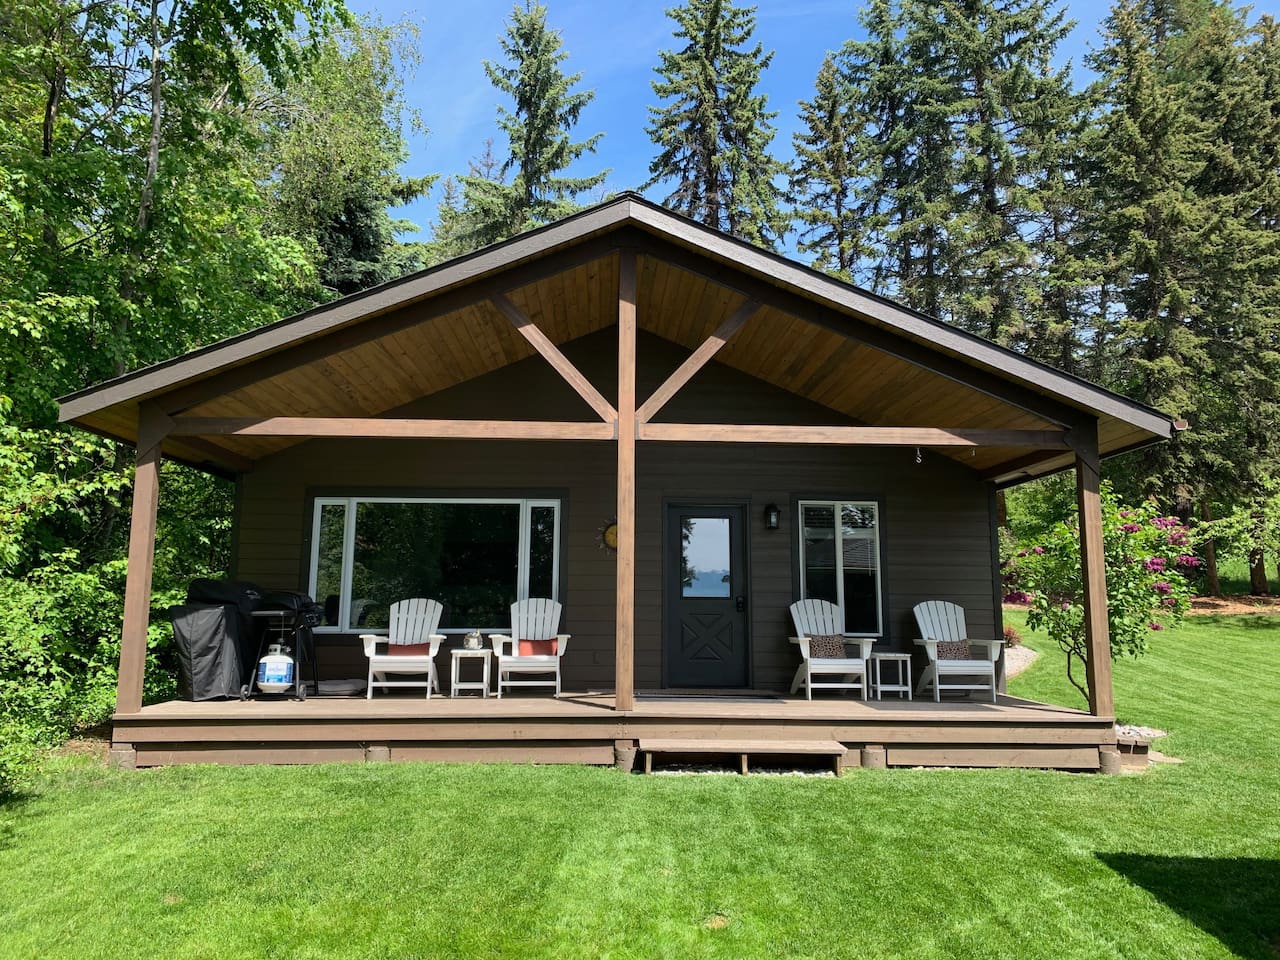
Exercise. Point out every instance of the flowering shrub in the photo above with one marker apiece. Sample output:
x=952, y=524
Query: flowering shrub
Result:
x=1147, y=563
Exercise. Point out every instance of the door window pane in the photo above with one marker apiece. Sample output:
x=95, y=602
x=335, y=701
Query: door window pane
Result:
x=466, y=555
x=704, y=557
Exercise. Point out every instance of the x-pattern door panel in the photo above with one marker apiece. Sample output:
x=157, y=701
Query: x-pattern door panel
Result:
x=705, y=583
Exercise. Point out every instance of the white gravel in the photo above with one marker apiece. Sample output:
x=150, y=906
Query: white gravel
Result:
x=1017, y=659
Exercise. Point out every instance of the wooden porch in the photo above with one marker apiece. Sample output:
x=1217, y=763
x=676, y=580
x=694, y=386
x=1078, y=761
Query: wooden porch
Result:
x=587, y=728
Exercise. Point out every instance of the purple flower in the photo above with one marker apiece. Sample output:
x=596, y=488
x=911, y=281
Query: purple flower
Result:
x=1178, y=537
x=1131, y=527
x=1170, y=601
x=1017, y=596
x=1154, y=565
x=1166, y=521
x=1188, y=560
x=1155, y=626
x=1126, y=514
x=1065, y=605
x=1037, y=550
x=1160, y=586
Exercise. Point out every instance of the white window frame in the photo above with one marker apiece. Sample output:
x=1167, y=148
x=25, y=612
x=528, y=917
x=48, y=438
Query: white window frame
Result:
x=838, y=533
x=349, y=539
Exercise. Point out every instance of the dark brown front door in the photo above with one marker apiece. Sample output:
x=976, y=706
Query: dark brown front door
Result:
x=705, y=591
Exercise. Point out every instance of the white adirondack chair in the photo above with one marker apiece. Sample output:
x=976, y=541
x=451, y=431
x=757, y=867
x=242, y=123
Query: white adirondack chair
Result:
x=822, y=618
x=532, y=621
x=940, y=621
x=413, y=623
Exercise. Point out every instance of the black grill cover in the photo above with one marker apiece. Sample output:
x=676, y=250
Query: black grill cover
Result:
x=213, y=658
x=245, y=595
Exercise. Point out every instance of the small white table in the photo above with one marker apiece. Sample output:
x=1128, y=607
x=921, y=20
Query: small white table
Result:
x=903, y=684
x=485, y=655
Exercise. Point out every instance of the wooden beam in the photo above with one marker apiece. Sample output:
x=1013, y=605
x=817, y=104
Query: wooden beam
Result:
x=386, y=314
x=697, y=360
x=152, y=427
x=551, y=353
x=1093, y=573
x=390, y=429
x=624, y=627
x=853, y=436
x=1014, y=467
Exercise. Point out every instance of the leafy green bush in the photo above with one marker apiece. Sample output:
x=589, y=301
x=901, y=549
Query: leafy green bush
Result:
x=18, y=755
x=1147, y=559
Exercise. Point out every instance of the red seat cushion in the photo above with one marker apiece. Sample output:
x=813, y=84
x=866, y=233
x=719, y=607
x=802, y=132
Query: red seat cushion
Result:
x=409, y=649
x=537, y=648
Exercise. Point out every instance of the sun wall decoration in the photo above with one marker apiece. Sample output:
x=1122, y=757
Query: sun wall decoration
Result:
x=607, y=536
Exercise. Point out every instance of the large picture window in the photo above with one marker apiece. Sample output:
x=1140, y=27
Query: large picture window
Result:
x=840, y=560
x=476, y=557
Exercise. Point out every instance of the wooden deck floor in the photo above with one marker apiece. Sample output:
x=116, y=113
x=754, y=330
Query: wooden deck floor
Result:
x=584, y=728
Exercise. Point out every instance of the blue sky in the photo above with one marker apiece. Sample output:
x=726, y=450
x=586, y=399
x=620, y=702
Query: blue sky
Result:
x=614, y=45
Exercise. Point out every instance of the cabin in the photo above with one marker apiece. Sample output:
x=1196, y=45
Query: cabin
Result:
x=673, y=433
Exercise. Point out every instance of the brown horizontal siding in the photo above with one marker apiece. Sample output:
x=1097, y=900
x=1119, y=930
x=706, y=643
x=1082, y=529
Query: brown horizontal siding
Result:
x=935, y=522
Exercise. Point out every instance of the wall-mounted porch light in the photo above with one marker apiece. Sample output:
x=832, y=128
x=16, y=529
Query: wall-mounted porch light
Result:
x=771, y=516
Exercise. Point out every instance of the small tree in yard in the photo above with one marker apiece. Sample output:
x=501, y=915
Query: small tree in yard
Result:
x=1147, y=559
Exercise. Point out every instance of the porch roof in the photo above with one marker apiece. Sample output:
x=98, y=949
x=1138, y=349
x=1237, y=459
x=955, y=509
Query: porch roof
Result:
x=875, y=362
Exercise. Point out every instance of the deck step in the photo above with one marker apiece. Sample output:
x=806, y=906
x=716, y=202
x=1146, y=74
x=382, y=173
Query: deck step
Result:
x=744, y=749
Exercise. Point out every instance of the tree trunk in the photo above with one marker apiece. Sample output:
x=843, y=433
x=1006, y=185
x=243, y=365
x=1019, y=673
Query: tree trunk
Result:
x=1214, y=585
x=1258, y=572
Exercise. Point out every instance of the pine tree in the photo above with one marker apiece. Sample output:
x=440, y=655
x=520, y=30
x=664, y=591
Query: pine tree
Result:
x=821, y=178
x=1065, y=320
x=713, y=130
x=545, y=109
x=880, y=151
x=1228, y=73
x=985, y=67
x=1147, y=147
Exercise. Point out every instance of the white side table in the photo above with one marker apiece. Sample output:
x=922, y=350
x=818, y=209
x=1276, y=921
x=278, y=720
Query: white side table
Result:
x=903, y=684
x=485, y=655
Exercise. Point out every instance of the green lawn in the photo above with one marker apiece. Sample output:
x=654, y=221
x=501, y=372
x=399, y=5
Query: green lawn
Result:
x=437, y=861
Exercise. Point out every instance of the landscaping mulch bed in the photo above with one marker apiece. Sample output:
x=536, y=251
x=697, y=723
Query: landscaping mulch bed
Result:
x=1240, y=603
x=1243, y=603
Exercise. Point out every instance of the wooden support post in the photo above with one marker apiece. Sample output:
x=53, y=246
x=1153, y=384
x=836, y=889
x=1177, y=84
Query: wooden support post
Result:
x=1093, y=574
x=875, y=757
x=153, y=425
x=624, y=653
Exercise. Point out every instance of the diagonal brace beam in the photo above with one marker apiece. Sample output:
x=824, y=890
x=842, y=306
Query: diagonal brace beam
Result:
x=551, y=353
x=697, y=360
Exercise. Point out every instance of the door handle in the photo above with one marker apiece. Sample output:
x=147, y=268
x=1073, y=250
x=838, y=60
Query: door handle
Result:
x=740, y=603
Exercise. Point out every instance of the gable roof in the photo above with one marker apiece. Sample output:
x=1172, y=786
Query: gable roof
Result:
x=845, y=328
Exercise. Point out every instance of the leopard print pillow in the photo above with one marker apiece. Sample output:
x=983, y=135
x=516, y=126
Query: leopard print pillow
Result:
x=826, y=647
x=953, y=650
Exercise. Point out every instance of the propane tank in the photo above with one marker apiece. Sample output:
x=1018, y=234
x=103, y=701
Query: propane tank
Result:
x=275, y=670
